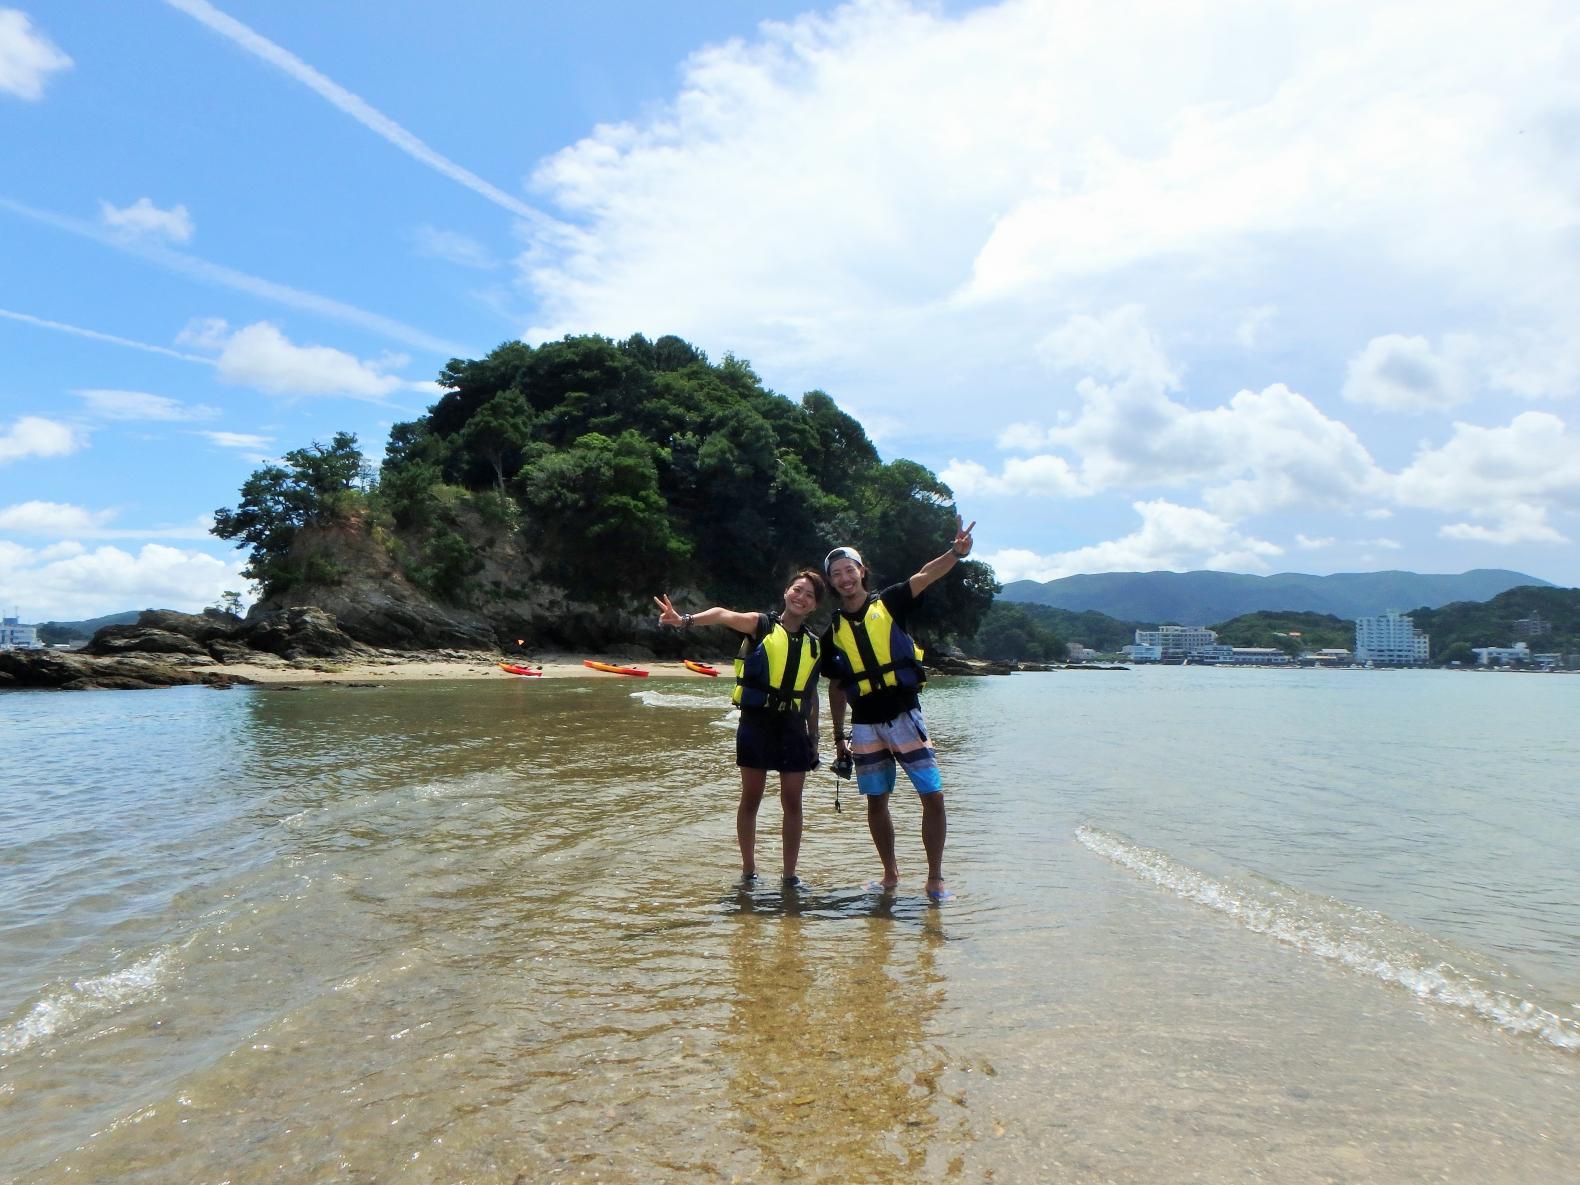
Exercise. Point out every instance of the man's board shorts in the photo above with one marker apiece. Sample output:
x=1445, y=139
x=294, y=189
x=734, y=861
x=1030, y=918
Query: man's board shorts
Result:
x=876, y=747
x=774, y=740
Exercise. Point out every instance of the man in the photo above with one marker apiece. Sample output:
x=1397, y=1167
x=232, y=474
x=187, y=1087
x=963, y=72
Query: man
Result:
x=873, y=665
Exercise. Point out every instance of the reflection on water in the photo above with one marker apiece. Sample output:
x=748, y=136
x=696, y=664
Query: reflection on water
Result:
x=833, y=1075
x=486, y=932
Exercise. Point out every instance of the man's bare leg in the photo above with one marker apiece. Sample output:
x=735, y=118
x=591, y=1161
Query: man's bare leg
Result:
x=935, y=827
x=881, y=825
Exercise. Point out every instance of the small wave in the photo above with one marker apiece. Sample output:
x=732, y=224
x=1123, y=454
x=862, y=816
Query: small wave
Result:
x=669, y=699
x=1359, y=939
x=84, y=1000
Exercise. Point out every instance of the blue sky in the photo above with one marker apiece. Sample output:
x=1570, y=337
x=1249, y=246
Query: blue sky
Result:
x=1249, y=286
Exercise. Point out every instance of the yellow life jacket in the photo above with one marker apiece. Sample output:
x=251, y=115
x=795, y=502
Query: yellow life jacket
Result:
x=875, y=652
x=776, y=672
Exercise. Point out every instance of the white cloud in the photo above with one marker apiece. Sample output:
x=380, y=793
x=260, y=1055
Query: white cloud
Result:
x=1517, y=524
x=1535, y=364
x=64, y=519
x=1253, y=325
x=1383, y=544
x=1170, y=538
x=1047, y=476
x=261, y=357
x=142, y=217
x=241, y=440
x=453, y=247
x=51, y=518
x=1260, y=452
x=27, y=57
x=1307, y=543
x=65, y=583
x=1120, y=345
x=1410, y=374
x=140, y=405
x=890, y=179
x=1398, y=373
x=1021, y=437
x=59, y=551
x=254, y=448
x=1509, y=476
x=34, y=436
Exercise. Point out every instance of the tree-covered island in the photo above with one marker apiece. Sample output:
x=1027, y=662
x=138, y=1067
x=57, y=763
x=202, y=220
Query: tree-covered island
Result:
x=553, y=489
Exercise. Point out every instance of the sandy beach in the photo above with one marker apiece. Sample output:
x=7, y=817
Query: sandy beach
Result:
x=457, y=666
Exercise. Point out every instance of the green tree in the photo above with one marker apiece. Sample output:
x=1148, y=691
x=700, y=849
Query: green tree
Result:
x=601, y=517
x=471, y=383
x=1009, y=632
x=499, y=433
x=840, y=454
x=316, y=486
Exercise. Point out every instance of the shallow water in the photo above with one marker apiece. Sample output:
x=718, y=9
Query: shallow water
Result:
x=1210, y=924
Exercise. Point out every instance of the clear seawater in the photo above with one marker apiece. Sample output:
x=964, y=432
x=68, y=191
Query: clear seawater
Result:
x=1218, y=925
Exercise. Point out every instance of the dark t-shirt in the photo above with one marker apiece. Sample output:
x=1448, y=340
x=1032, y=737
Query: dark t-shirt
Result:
x=884, y=703
x=765, y=623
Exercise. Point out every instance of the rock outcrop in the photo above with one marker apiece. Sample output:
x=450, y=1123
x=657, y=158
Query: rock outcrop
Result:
x=300, y=632
x=959, y=664
x=164, y=648
x=76, y=671
x=164, y=631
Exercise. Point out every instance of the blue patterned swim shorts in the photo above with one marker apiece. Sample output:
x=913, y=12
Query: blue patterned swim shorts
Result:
x=876, y=747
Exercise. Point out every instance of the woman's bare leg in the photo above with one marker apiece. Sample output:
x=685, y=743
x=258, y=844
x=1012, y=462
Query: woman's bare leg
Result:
x=790, y=786
x=752, y=783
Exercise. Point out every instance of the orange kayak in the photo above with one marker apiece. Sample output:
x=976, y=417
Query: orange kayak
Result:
x=511, y=668
x=701, y=668
x=612, y=669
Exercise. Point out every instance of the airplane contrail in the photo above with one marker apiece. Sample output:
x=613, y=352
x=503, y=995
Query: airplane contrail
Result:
x=356, y=107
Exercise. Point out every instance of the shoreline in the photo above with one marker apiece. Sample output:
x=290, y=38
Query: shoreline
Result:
x=148, y=669
x=396, y=670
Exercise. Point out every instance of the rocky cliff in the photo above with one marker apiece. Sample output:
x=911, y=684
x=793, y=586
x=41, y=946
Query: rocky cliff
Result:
x=504, y=597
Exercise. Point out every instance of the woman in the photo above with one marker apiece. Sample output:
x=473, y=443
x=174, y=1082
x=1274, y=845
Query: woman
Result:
x=776, y=690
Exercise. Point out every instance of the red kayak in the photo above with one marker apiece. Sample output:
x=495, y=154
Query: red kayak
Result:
x=511, y=668
x=612, y=669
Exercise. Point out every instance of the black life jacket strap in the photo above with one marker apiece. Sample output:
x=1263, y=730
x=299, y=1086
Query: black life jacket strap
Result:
x=778, y=698
x=869, y=657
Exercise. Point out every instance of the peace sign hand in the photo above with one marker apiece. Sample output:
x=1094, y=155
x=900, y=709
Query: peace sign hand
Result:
x=962, y=543
x=667, y=614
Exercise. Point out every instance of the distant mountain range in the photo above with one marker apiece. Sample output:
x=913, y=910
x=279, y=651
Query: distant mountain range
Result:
x=1205, y=598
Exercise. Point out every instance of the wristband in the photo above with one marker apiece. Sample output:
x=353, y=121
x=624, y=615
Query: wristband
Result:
x=685, y=621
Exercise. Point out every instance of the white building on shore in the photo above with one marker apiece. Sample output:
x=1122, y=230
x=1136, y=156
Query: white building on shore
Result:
x=1171, y=643
x=1502, y=656
x=1391, y=640
x=16, y=636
